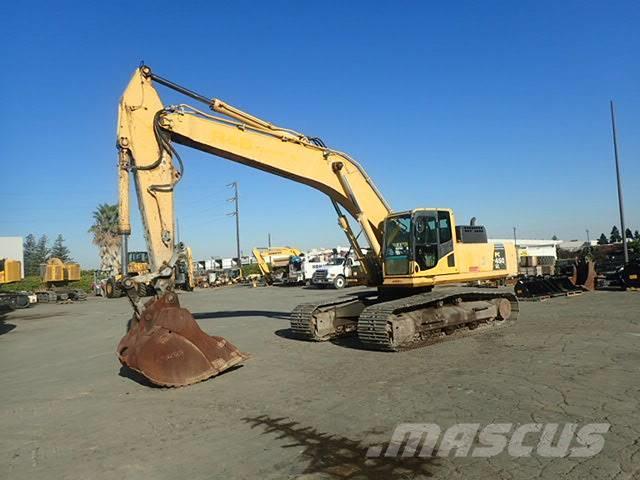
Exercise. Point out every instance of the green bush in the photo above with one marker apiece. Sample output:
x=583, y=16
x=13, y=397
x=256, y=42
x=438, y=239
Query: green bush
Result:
x=85, y=282
x=250, y=269
x=34, y=282
x=30, y=282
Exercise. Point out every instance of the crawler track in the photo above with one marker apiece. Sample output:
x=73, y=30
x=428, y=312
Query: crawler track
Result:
x=303, y=319
x=377, y=322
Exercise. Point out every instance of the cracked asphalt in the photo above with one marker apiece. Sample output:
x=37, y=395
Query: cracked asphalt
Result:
x=311, y=410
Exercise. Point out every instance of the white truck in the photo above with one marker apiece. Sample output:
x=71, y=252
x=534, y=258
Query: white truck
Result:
x=338, y=272
x=301, y=269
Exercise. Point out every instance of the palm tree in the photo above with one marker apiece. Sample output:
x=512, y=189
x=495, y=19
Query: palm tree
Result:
x=106, y=237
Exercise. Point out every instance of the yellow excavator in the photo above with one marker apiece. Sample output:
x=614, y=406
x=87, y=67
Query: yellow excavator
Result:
x=273, y=262
x=409, y=252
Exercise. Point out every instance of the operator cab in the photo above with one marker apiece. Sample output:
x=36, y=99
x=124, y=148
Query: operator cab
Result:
x=423, y=235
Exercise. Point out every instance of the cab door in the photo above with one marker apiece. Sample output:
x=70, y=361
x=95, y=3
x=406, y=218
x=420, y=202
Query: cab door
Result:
x=433, y=242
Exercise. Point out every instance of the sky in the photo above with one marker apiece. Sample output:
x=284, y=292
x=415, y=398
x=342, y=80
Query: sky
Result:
x=497, y=109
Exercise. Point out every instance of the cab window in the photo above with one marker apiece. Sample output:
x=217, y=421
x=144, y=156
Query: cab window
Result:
x=397, y=236
x=445, y=236
x=444, y=227
x=426, y=240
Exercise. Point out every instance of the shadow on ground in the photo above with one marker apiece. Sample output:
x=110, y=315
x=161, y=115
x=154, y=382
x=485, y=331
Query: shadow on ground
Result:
x=136, y=377
x=288, y=334
x=6, y=327
x=350, y=341
x=241, y=313
x=340, y=457
x=140, y=379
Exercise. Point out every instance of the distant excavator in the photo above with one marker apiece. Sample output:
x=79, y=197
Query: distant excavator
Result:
x=273, y=262
x=409, y=252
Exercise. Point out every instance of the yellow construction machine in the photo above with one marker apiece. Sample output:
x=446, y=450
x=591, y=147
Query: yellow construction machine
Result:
x=11, y=272
x=138, y=264
x=56, y=276
x=409, y=252
x=273, y=262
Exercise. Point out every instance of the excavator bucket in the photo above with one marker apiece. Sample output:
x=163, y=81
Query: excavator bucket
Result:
x=585, y=274
x=168, y=347
x=544, y=287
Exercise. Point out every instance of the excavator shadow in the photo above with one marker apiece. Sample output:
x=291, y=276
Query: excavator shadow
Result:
x=339, y=457
x=350, y=341
x=288, y=334
x=5, y=327
x=241, y=313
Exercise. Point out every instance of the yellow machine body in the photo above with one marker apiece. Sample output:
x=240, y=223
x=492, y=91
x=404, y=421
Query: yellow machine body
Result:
x=56, y=271
x=451, y=260
x=10, y=271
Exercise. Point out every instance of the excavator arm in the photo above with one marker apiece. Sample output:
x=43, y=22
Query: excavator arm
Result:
x=147, y=131
x=164, y=342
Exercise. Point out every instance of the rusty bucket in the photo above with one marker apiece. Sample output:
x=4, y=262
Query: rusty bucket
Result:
x=585, y=274
x=168, y=347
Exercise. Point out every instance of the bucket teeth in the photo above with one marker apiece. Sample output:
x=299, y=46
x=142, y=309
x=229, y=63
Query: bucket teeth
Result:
x=169, y=348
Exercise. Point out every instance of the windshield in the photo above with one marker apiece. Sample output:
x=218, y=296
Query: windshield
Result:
x=336, y=261
x=141, y=257
x=397, y=234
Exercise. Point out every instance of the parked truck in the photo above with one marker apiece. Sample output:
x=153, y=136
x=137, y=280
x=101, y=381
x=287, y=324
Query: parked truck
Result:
x=338, y=272
x=302, y=267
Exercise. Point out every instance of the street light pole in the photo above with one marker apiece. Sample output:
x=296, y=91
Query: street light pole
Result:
x=620, y=201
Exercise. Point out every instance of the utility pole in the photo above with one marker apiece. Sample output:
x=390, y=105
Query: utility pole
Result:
x=588, y=239
x=269, y=241
x=515, y=239
x=236, y=213
x=620, y=202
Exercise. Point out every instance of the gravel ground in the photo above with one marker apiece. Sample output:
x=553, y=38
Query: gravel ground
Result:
x=311, y=410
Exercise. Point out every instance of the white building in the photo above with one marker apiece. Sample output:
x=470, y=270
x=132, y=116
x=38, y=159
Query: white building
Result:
x=575, y=245
x=537, y=257
x=533, y=248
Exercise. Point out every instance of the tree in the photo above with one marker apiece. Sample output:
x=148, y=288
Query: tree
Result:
x=106, y=237
x=628, y=234
x=636, y=235
x=30, y=265
x=615, y=235
x=59, y=250
x=41, y=252
x=603, y=239
x=554, y=237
